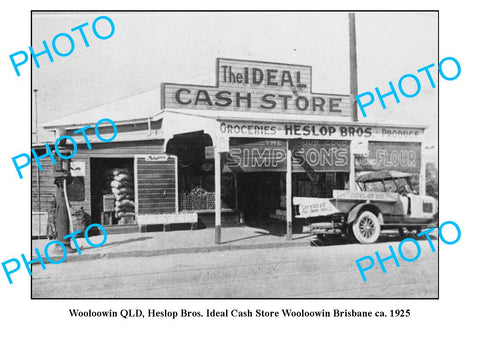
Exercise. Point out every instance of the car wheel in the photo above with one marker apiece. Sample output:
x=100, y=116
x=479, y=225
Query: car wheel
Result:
x=408, y=231
x=366, y=228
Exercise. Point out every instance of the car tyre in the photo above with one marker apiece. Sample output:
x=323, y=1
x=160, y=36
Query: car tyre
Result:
x=366, y=228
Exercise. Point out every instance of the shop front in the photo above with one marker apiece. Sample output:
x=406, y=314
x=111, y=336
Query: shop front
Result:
x=237, y=151
x=273, y=138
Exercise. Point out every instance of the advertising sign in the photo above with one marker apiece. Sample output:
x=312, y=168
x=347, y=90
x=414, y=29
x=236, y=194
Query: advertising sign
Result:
x=359, y=146
x=254, y=86
x=77, y=169
x=320, y=155
x=312, y=206
x=263, y=155
x=390, y=156
x=365, y=195
x=320, y=131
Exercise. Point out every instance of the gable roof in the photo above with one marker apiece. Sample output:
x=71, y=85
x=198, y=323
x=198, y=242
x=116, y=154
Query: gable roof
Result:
x=126, y=110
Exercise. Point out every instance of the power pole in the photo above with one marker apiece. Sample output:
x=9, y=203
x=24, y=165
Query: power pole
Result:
x=353, y=65
x=36, y=116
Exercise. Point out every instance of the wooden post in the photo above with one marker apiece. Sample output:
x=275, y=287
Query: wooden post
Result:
x=353, y=65
x=235, y=183
x=289, y=193
x=218, y=202
x=352, y=186
x=422, y=182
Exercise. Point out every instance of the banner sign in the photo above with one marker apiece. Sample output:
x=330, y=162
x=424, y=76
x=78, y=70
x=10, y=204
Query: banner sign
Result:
x=154, y=158
x=254, y=86
x=359, y=146
x=312, y=207
x=365, y=195
x=390, y=156
x=250, y=155
x=77, y=169
x=319, y=131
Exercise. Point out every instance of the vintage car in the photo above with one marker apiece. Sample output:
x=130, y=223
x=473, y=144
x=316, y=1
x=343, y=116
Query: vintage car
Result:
x=385, y=200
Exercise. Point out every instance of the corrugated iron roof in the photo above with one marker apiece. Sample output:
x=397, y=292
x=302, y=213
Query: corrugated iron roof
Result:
x=137, y=107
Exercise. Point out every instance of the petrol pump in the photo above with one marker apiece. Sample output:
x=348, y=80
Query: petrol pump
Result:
x=63, y=220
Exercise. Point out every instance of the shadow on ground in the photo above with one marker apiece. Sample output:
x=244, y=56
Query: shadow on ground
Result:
x=138, y=239
x=385, y=237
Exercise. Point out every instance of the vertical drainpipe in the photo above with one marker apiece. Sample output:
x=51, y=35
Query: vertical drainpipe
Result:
x=218, y=202
x=39, y=203
x=288, y=194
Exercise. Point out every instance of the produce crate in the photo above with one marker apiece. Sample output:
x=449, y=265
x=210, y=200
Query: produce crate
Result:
x=108, y=203
x=189, y=202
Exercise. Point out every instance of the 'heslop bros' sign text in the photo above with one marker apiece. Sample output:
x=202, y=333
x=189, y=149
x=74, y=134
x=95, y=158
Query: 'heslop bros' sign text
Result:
x=254, y=86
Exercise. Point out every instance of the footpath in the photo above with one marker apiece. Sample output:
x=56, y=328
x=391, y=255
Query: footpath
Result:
x=177, y=242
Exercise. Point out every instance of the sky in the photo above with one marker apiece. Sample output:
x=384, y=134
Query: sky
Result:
x=149, y=48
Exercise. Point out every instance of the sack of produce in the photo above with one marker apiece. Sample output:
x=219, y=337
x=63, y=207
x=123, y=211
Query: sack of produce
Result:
x=123, y=177
x=125, y=190
x=126, y=208
x=119, y=184
x=119, y=171
x=125, y=203
x=120, y=197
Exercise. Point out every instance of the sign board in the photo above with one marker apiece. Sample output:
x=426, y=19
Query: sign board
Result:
x=222, y=144
x=308, y=156
x=390, y=156
x=255, y=86
x=320, y=155
x=365, y=195
x=77, y=169
x=359, y=146
x=209, y=152
x=153, y=158
x=312, y=207
x=155, y=184
x=319, y=131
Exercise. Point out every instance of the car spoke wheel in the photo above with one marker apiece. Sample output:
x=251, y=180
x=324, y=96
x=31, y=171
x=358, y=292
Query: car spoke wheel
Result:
x=408, y=232
x=366, y=228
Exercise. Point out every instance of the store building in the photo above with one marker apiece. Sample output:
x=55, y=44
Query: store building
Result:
x=239, y=150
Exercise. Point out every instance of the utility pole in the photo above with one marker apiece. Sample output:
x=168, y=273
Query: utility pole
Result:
x=36, y=116
x=353, y=65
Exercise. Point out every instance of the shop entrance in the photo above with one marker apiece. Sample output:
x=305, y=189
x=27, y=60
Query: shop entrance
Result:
x=112, y=190
x=259, y=194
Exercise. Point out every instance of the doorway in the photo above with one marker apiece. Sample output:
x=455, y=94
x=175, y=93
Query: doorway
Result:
x=112, y=177
x=259, y=194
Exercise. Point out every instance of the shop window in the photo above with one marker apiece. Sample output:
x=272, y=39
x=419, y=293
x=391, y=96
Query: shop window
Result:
x=197, y=187
x=320, y=184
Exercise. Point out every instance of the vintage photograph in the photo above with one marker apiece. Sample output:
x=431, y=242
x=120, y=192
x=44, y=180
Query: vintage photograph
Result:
x=235, y=155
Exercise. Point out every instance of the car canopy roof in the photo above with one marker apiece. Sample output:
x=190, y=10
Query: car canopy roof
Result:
x=376, y=176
